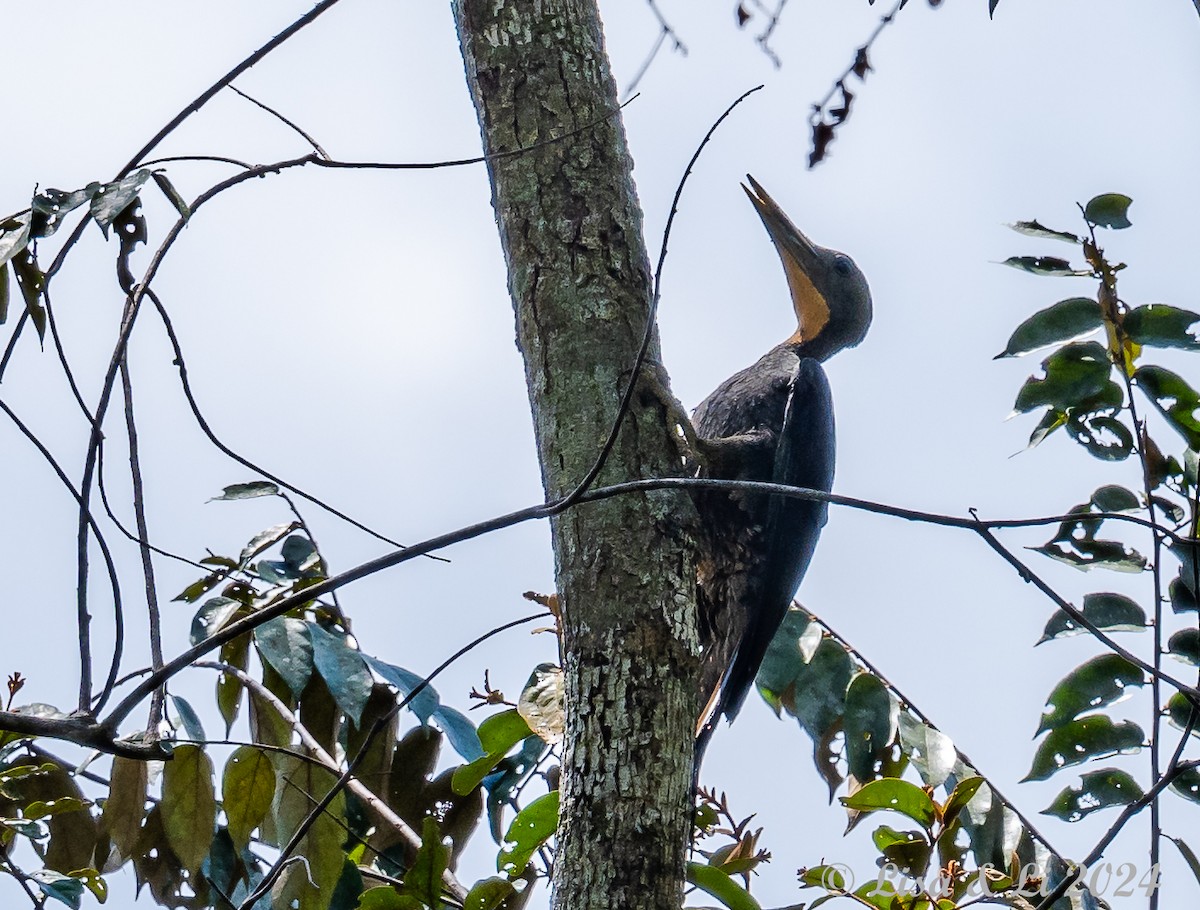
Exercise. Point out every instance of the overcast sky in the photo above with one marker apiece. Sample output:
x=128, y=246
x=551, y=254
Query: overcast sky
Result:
x=352, y=330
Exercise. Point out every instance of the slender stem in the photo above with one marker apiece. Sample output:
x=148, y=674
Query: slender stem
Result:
x=139, y=512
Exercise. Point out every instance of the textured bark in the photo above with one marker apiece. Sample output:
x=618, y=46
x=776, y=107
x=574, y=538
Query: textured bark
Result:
x=579, y=279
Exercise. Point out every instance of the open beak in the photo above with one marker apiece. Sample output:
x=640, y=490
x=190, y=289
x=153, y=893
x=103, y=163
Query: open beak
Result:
x=801, y=260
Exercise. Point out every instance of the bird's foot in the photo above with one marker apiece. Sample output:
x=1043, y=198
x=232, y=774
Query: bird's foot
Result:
x=690, y=447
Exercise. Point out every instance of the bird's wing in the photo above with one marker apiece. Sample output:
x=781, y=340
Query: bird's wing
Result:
x=804, y=457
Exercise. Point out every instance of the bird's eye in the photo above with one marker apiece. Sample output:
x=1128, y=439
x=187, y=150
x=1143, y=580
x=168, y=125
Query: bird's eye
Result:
x=842, y=265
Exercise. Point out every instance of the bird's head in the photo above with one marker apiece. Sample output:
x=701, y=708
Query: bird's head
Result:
x=829, y=292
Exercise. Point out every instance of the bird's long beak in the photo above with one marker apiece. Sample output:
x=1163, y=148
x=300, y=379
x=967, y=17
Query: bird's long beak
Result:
x=801, y=261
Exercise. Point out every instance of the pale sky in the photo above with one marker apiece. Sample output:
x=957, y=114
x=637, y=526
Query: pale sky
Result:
x=352, y=330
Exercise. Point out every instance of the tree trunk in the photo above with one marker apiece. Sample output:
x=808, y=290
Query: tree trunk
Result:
x=580, y=285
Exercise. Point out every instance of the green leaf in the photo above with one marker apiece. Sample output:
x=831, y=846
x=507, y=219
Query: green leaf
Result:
x=896, y=795
x=1100, y=681
x=1067, y=320
x=1189, y=856
x=423, y=880
x=38, y=809
x=343, y=669
x=1074, y=373
x=532, y=827
x=4, y=292
x=1106, y=438
x=869, y=725
x=388, y=898
x=931, y=751
x=963, y=793
x=1090, y=554
x=1185, y=645
x=198, y=589
x=1174, y=399
x=1110, y=210
x=172, y=194
x=1187, y=784
x=283, y=642
x=1045, y=265
x=1051, y=421
x=113, y=198
x=1161, y=326
x=488, y=894
x=31, y=282
x=1097, y=790
x=721, y=886
x=264, y=539
x=498, y=734
x=189, y=719
x=300, y=784
x=1034, y=229
x=189, y=806
x=247, y=789
x=214, y=614
x=1179, y=712
x=1093, y=736
x=251, y=490
x=63, y=888
x=1108, y=611
x=50, y=205
x=1115, y=498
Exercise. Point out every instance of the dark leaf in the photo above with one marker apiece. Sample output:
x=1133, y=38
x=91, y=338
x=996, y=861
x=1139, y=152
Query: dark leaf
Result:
x=424, y=879
x=460, y=732
x=1045, y=265
x=49, y=207
x=1035, y=229
x=869, y=725
x=126, y=804
x=1115, y=498
x=297, y=551
x=424, y=703
x=168, y=190
x=31, y=281
x=1187, y=784
x=822, y=135
x=1097, y=790
x=1093, y=736
x=1091, y=554
x=1189, y=856
x=1066, y=320
x=189, y=805
x=861, y=65
x=1100, y=681
x=488, y=894
x=1106, y=438
x=992, y=4
x=198, y=589
x=1051, y=421
x=189, y=719
x=63, y=888
x=1182, y=599
x=1073, y=374
x=4, y=292
x=1110, y=210
x=1110, y=612
x=1179, y=712
x=1162, y=326
x=1185, y=645
x=213, y=615
x=250, y=490
x=1175, y=399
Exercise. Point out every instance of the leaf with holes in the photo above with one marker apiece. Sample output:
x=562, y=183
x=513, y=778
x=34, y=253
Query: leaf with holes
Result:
x=112, y=199
x=1161, y=326
x=1090, y=554
x=1175, y=400
x=897, y=796
x=869, y=724
x=532, y=827
x=1105, y=438
x=1083, y=739
x=1097, y=790
x=1101, y=681
x=1067, y=320
x=1107, y=611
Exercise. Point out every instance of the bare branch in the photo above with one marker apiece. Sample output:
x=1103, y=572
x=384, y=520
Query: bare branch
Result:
x=274, y=113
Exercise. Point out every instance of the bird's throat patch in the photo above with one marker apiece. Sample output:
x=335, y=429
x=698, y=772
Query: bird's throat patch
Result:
x=812, y=311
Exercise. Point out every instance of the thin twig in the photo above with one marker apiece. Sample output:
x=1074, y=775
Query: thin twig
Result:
x=274, y=113
x=546, y=510
x=665, y=31
x=139, y=513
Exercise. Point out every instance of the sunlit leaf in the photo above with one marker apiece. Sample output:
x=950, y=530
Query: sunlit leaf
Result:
x=251, y=490
x=247, y=788
x=423, y=880
x=931, y=751
x=1110, y=210
x=1067, y=320
x=1074, y=373
x=1093, y=736
x=532, y=827
x=1108, y=611
x=1097, y=790
x=112, y=199
x=63, y=888
x=1162, y=326
x=189, y=805
x=718, y=884
x=896, y=795
x=51, y=205
x=498, y=734
x=488, y=894
x=962, y=794
x=424, y=703
x=1100, y=681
